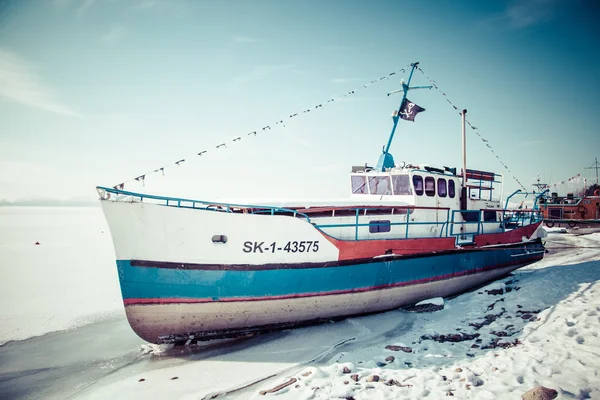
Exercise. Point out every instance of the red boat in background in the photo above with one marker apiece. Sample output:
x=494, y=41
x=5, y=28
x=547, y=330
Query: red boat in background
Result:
x=574, y=209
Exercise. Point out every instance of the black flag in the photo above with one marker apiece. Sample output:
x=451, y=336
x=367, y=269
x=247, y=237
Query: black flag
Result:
x=409, y=110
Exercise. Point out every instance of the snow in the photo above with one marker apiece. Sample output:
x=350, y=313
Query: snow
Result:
x=436, y=301
x=555, y=229
x=538, y=326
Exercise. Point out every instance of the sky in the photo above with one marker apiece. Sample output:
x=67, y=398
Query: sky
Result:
x=98, y=92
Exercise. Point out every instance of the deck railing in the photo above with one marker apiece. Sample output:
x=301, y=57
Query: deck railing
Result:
x=448, y=221
x=123, y=195
x=409, y=210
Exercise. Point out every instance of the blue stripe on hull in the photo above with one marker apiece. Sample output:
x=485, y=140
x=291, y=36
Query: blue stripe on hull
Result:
x=148, y=283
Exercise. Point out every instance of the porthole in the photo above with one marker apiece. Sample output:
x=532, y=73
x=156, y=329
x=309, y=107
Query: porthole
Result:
x=219, y=239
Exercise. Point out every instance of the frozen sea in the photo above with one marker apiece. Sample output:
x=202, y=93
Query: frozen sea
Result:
x=63, y=333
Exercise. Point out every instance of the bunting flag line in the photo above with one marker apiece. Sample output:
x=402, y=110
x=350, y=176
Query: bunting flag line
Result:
x=474, y=128
x=281, y=122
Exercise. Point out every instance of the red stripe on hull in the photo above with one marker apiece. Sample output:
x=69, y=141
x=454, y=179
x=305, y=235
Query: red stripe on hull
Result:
x=514, y=236
x=357, y=249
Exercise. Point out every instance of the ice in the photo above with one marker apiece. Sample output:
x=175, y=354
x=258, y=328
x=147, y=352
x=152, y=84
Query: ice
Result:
x=68, y=280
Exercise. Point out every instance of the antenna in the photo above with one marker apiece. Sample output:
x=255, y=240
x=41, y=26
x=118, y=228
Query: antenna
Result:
x=539, y=185
x=595, y=166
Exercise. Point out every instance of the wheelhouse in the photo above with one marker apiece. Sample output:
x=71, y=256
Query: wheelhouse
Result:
x=412, y=185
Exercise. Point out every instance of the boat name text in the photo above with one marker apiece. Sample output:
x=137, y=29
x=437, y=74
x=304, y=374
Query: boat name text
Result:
x=290, y=247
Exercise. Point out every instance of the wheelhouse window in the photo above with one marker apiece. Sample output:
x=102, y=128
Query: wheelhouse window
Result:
x=379, y=226
x=418, y=184
x=429, y=186
x=401, y=184
x=451, y=188
x=441, y=186
x=380, y=185
x=359, y=184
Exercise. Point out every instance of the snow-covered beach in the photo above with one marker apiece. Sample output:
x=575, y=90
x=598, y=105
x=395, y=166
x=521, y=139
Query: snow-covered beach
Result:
x=65, y=335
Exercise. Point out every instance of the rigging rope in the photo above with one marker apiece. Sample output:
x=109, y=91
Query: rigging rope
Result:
x=141, y=178
x=474, y=128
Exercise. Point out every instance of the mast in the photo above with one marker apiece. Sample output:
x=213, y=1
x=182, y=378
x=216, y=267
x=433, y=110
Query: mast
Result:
x=595, y=166
x=540, y=186
x=386, y=160
x=463, y=192
x=464, y=148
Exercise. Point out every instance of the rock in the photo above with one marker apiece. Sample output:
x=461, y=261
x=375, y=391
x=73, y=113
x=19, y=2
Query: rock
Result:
x=449, y=393
x=494, y=292
x=453, y=337
x=540, y=393
x=373, y=378
x=390, y=359
x=424, y=308
x=488, y=319
x=394, y=382
x=354, y=377
x=393, y=347
x=346, y=370
x=474, y=346
x=526, y=316
x=381, y=364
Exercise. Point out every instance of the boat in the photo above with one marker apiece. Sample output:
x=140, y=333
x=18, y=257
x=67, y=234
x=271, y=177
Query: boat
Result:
x=196, y=270
x=576, y=208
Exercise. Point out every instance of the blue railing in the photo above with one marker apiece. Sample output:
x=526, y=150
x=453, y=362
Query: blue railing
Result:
x=447, y=223
x=200, y=204
x=356, y=225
